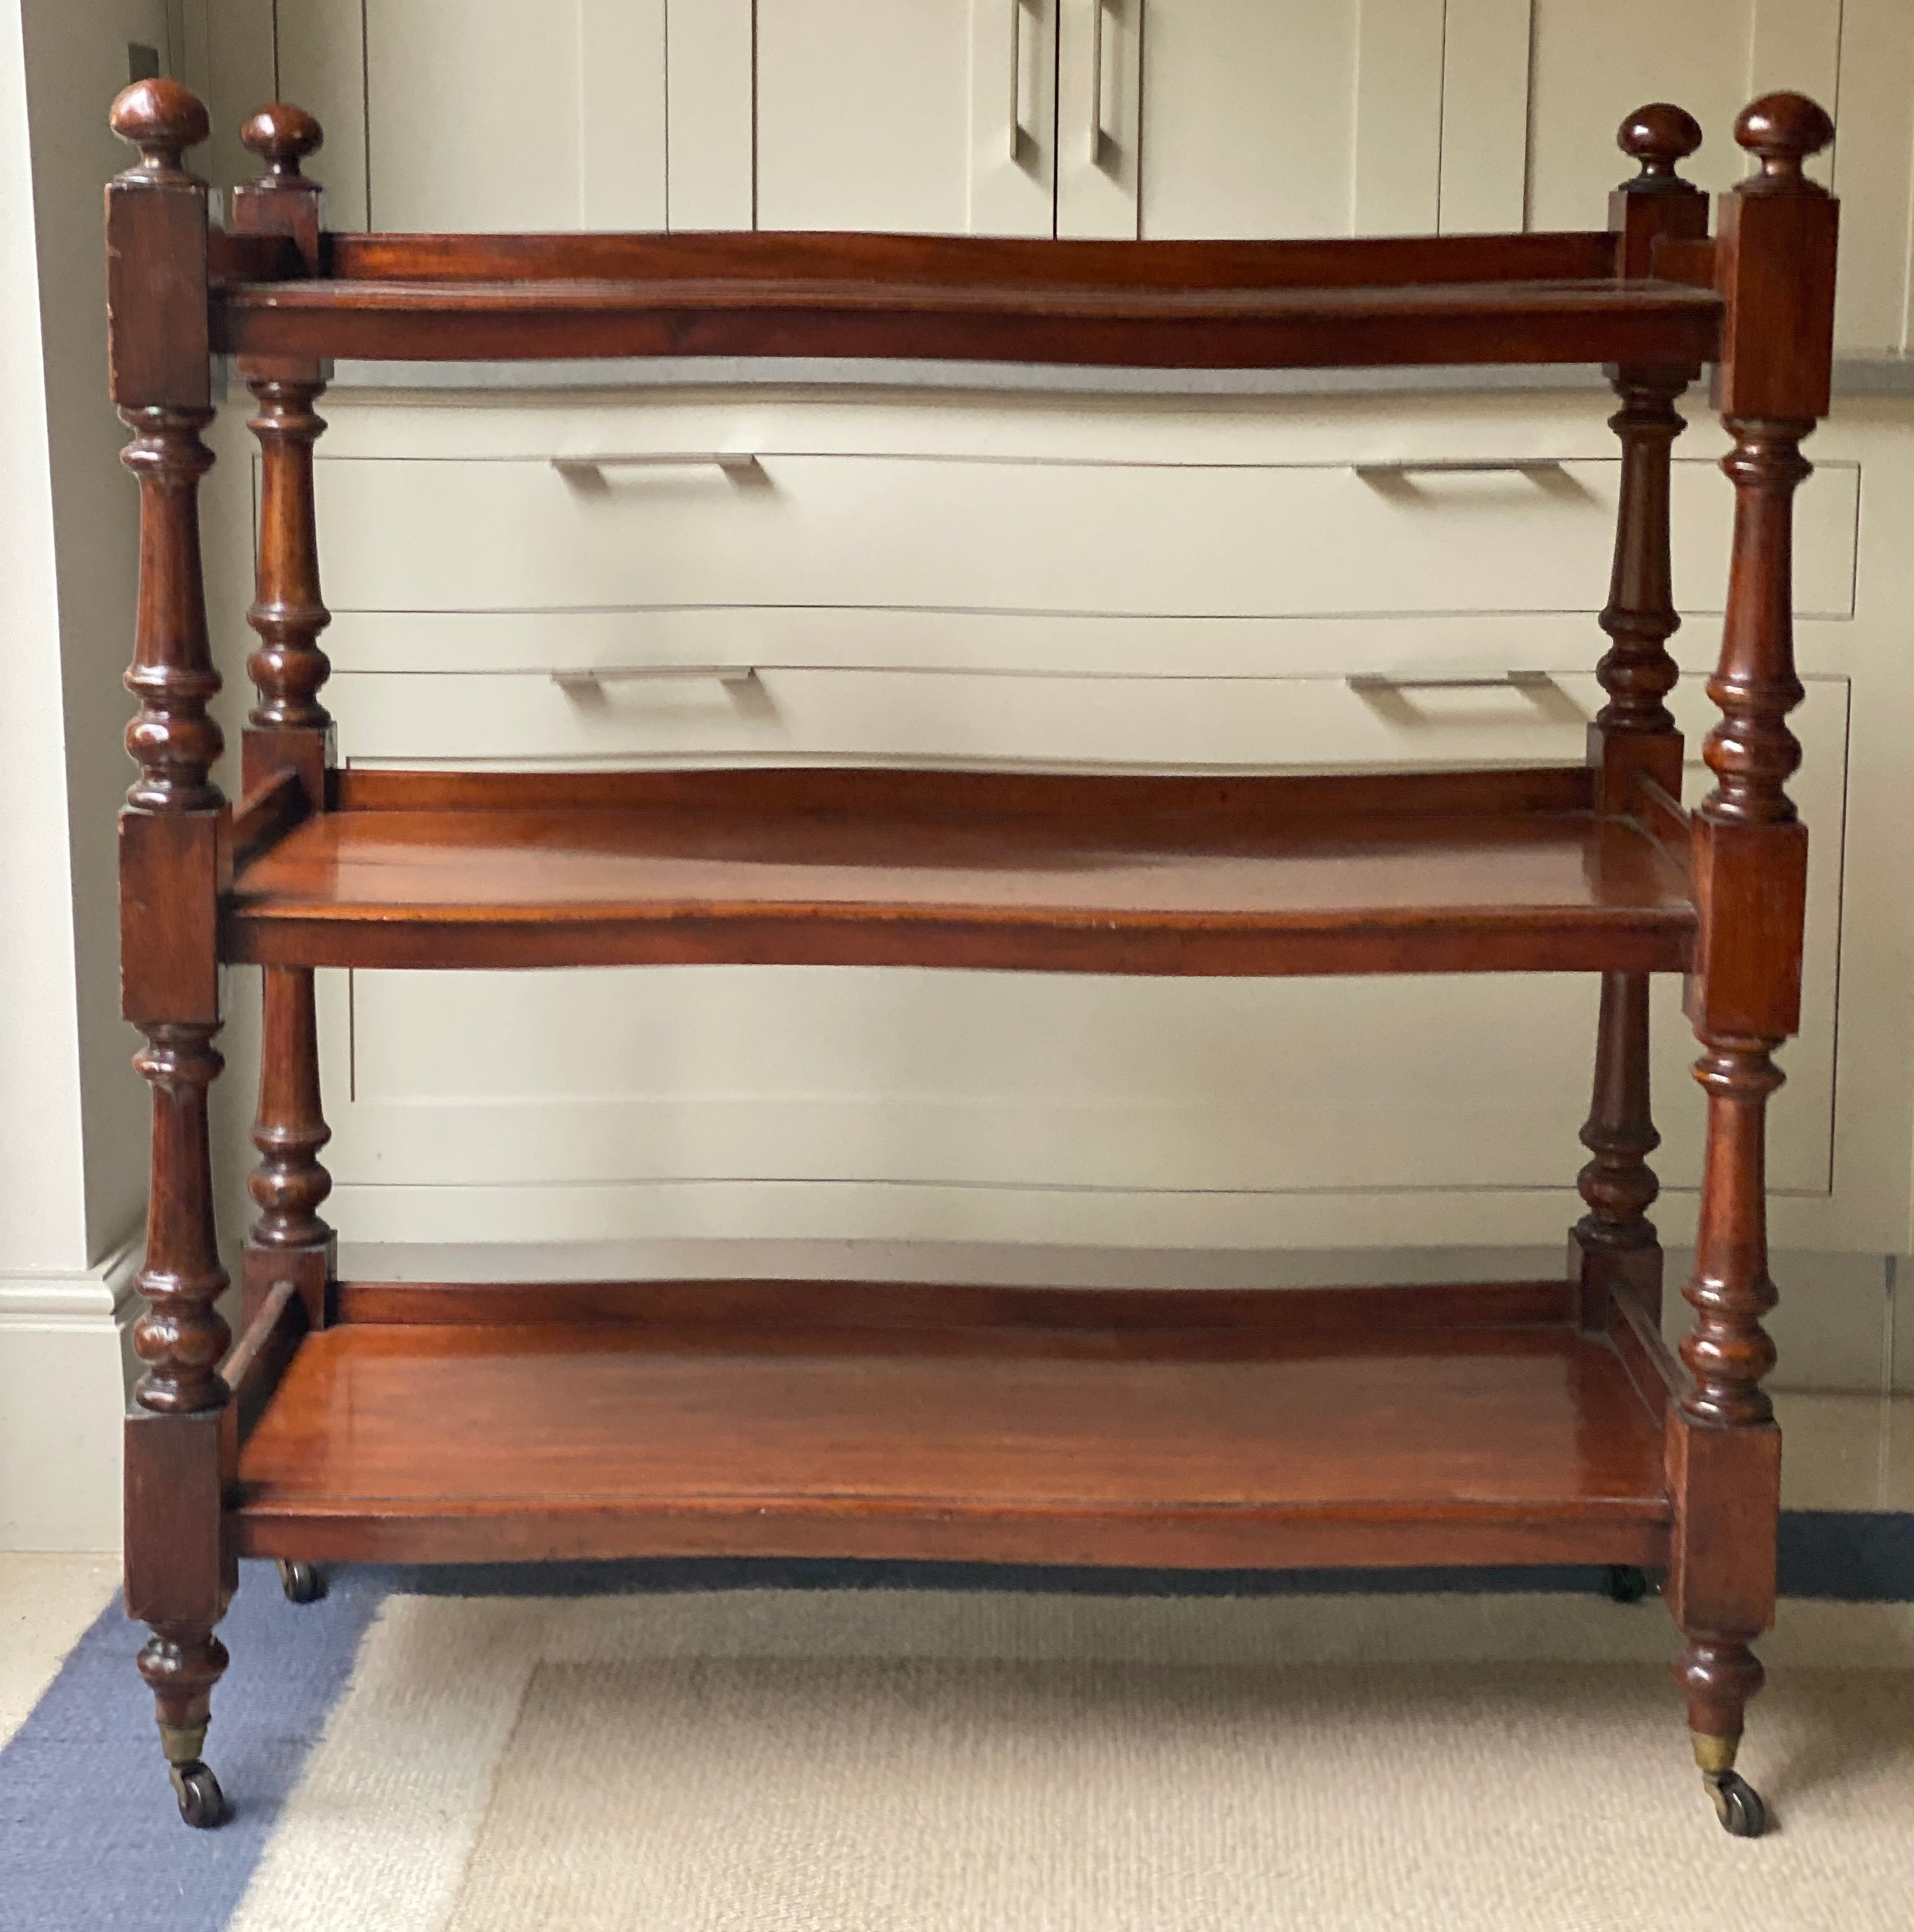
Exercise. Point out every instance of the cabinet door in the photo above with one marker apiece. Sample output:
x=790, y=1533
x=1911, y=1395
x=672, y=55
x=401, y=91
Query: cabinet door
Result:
x=481, y=115
x=1590, y=65
x=933, y=118
x=1302, y=117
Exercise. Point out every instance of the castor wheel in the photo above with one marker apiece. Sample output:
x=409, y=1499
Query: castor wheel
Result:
x=1626, y=1584
x=202, y=1803
x=303, y=1582
x=1738, y=1804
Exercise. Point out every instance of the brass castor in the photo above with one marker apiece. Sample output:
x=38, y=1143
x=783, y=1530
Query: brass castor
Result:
x=1626, y=1584
x=202, y=1803
x=303, y=1582
x=1737, y=1804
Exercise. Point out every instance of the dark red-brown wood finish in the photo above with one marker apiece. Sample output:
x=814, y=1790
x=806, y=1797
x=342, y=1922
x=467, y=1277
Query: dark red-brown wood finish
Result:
x=1522, y=1422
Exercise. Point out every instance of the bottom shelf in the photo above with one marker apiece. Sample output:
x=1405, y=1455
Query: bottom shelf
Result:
x=1188, y=1428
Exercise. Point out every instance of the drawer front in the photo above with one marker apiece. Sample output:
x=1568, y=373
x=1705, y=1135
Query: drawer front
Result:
x=508, y=719
x=1253, y=1100
x=914, y=533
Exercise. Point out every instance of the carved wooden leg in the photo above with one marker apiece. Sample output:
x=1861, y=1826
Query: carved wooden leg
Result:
x=181, y=1663
x=1724, y=1449
x=1614, y=1243
x=179, y=1574
x=1748, y=865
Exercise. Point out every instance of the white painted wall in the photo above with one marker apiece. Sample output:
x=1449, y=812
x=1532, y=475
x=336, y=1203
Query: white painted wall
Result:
x=72, y=1120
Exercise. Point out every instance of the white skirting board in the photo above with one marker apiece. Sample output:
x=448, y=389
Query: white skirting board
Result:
x=65, y=1359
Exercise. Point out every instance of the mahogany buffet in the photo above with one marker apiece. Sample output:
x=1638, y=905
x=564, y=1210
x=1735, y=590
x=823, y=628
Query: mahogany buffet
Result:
x=1519, y=1423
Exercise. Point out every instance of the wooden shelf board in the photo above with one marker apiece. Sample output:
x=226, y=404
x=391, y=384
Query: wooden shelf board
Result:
x=1097, y=874
x=1230, y=1441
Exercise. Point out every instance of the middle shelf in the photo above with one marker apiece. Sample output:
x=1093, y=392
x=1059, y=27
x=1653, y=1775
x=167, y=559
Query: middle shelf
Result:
x=1471, y=871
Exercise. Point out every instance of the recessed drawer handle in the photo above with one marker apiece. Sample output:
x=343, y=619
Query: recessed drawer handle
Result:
x=1016, y=78
x=1508, y=680
x=658, y=459
x=1096, y=83
x=1463, y=465
x=592, y=679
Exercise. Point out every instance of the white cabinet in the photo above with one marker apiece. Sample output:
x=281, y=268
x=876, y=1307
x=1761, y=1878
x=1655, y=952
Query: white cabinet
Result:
x=933, y=117
x=794, y=528
x=1133, y=587
x=481, y=114
x=1590, y=65
x=1113, y=118
x=1301, y=117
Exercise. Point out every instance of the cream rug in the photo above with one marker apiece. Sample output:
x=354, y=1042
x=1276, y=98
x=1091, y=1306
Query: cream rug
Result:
x=880, y=1762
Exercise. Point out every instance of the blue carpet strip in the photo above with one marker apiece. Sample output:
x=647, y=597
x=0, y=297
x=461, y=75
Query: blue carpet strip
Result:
x=90, y=1836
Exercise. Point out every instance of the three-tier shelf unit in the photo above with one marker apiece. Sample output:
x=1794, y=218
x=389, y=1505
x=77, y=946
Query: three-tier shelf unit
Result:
x=1529, y=1422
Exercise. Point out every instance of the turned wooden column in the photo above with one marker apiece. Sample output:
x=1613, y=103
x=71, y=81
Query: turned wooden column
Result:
x=1774, y=266
x=288, y=729
x=1633, y=743
x=179, y=1574
x=1634, y=739
x=288, y=1241
x=1614, y=1242
x=288, y=724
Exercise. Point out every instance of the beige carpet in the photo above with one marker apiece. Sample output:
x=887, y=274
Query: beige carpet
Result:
x=896, y=1763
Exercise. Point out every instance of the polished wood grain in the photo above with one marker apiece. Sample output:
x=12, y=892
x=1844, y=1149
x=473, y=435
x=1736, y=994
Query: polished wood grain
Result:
x=963, y=796
x=287, y=727
x=975, y=259
x=255, y=1364
x=234, y=257
x=1634, y=734
x=180, y=1566
x=1219, y=1443
x=264, y=816
x=157, y=317
x=1774, y=263
x=1632, y=743
x=1635, y=1333
x=288, y=1244
x=1658, y=208
x=1137, y=1318
x=283, y=201
x=1123, y=327
x=1243, y=889
x=1615, y=1242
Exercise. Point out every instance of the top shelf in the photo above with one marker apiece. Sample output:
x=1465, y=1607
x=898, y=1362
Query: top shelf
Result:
x=1536, y=298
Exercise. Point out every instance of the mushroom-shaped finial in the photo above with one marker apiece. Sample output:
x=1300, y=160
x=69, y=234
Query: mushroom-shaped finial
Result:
x=162, y=119
x=1658, y=136
x=1784, y=129
x=282, y=136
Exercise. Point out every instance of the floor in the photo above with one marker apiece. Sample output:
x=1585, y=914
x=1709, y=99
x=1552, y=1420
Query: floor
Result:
x=1844, y=1452
x=457, y=1729
x=47, y=1603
